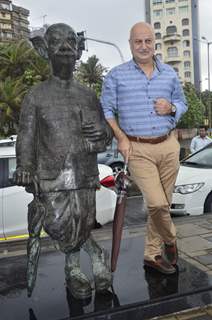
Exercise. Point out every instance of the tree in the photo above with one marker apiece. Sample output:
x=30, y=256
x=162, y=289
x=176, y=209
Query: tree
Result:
x=196, y=109
x=20, y=68
x=91, y=73
x=14, y=58
x=206, y=97
x=11, y=95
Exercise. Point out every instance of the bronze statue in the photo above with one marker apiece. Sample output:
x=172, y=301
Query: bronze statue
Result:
x=62, y=128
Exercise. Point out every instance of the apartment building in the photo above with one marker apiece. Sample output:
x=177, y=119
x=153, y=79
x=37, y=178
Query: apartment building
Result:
x=176, y=25
x=14, y=22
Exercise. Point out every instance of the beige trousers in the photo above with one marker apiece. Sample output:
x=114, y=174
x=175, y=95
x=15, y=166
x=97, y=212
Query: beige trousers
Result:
x=154, y=168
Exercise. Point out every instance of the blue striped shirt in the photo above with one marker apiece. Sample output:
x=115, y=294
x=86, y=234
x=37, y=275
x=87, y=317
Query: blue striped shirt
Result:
x=129, y=93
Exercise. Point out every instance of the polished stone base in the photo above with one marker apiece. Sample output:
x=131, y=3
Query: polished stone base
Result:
x=136, y=293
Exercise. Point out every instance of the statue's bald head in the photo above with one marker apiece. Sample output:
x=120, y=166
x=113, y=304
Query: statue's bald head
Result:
x=62, y=28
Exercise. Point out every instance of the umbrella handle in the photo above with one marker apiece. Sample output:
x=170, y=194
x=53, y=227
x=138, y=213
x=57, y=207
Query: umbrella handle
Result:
x=35, y=183
x=125, y=167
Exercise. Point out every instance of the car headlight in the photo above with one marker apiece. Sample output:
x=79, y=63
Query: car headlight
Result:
x=188, y=188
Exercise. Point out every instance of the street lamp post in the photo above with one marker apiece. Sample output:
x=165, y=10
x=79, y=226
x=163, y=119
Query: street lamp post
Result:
x=209, y=79
x=109, y=43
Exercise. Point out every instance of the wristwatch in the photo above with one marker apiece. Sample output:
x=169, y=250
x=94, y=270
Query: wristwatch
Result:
x=173, y=110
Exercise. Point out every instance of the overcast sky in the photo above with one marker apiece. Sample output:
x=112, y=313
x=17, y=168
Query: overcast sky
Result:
x=108, y=20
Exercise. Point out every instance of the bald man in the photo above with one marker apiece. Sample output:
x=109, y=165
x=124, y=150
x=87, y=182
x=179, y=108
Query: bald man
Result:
x=147, y=97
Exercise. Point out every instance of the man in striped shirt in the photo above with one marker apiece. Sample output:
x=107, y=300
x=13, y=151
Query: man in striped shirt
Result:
x=148, y=100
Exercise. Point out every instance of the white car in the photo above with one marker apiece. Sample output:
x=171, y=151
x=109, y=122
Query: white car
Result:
x=14, y=199
x=193, y=189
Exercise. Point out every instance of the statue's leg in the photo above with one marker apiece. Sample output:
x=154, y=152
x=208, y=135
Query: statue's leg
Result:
x=100, y=264
x=77, y=282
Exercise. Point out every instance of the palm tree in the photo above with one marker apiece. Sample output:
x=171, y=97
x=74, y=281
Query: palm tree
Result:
x=91, y=72
x=14, y=58
x=11, y=95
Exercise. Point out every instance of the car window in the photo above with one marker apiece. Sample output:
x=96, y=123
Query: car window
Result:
x=203, y=158
x=7, y=168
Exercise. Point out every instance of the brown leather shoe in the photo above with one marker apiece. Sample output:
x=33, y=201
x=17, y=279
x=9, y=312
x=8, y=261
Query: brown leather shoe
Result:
x=170, y=253
x=160, y=265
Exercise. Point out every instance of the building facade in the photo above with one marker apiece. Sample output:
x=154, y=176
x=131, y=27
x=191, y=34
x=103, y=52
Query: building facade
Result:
x=14, y=22
x=176, y=25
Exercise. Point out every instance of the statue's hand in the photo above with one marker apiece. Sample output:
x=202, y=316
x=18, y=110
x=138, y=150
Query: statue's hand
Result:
x=22, y=177
x=92, y=133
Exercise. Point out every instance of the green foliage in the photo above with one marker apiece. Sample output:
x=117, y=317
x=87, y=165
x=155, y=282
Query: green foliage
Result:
x=20, y=68
x=196, y=109
x=12, y=92
x=91, y=73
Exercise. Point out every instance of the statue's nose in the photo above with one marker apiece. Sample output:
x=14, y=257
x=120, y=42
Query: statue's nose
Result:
x=65, y=45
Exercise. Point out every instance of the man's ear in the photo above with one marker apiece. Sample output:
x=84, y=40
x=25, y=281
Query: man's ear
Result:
x=40, y=45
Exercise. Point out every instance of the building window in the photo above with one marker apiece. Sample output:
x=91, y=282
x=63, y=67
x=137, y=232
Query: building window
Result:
x=169, y=1
x=5, y=6
x=159, y=56
x=187, y=74
x=157, y=25
x=187, y=65
x=157, y=1
x=172, y=52
x=158, y=46
x=186, y=32
x=157, y=13
x=170, y=11
x=186, y=43
x=158, y=35
x=185, y=22
x=186, y=53
x=171, y=30
x=183, y=10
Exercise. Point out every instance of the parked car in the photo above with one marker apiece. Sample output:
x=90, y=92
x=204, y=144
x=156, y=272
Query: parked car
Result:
x=112, y=157
x=193, y=189
x=14, y=199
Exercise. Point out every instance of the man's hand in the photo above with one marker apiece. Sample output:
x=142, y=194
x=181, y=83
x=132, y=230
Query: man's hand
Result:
x=92, y=133
x=162, y=107
x=124, y=146
x=22, y=177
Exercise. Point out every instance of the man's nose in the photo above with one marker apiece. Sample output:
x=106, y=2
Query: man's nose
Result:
x=143, y=45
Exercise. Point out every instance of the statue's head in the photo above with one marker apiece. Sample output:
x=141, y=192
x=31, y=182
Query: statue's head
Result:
x=59, y=45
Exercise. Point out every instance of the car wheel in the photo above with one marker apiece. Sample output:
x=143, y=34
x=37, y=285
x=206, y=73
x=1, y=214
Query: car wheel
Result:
x=208, y=204
x=117, y=166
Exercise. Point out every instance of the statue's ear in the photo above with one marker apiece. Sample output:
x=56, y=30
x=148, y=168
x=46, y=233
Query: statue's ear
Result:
x=40, y=45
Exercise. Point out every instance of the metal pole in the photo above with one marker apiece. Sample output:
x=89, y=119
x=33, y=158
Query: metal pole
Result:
x=209, y=85
x=209, y=81
x=110, y=43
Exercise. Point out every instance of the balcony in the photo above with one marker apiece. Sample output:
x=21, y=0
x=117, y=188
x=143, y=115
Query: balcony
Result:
x=171, y=37
x=173, y=59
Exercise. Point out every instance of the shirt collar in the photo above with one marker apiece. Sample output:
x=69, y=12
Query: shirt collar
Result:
x=157, y=64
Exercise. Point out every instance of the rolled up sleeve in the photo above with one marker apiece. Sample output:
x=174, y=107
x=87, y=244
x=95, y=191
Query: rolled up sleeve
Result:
x=108, y=97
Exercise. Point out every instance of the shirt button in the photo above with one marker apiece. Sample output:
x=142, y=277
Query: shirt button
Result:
x=149, y=97
x=153, y=127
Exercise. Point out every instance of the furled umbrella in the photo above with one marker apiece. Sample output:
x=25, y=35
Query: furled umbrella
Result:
x=36, y=216
x=121, y=183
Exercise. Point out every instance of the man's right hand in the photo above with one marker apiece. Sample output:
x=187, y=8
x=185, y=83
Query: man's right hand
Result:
x=125, y=147
x=22, y=177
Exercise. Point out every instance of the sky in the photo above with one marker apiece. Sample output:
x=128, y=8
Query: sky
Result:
x=108, y=20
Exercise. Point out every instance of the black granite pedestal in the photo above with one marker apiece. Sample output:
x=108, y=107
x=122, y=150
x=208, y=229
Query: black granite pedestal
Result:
x=136, y=294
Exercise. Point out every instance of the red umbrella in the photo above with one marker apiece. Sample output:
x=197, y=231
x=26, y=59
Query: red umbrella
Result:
x=121, y=183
